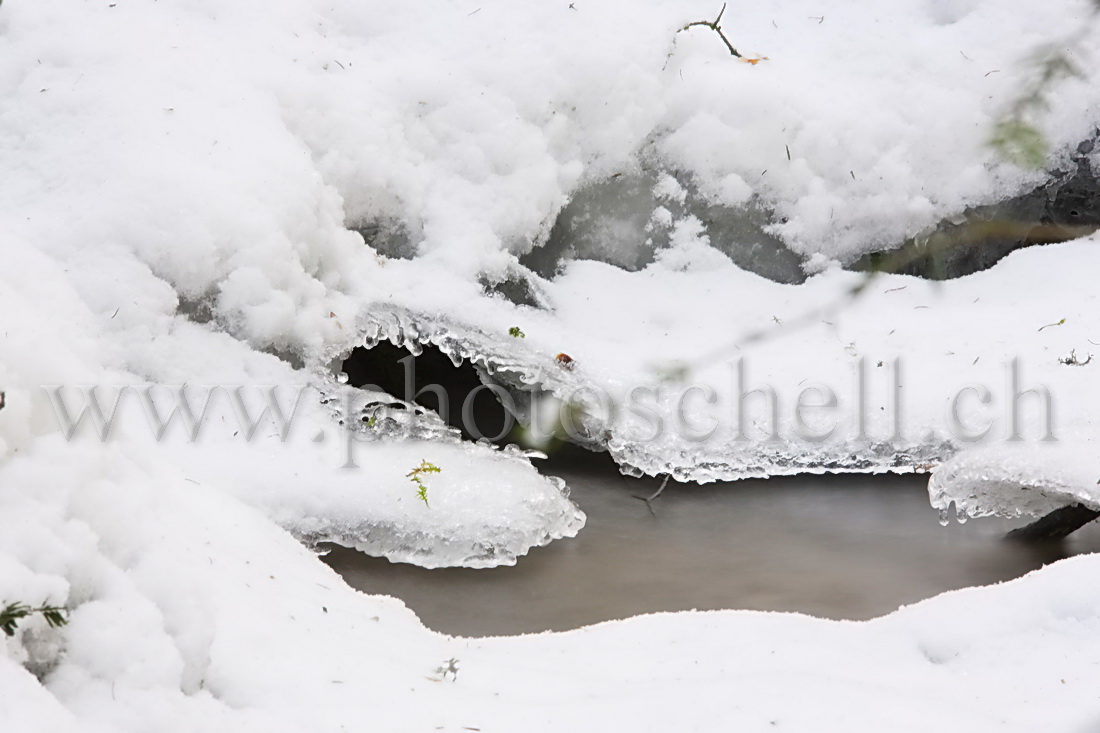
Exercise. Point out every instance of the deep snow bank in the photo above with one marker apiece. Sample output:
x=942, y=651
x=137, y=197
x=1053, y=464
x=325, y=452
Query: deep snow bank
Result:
x=213, y=188
x=182, y=182
x=191, y=610
x=488, y=506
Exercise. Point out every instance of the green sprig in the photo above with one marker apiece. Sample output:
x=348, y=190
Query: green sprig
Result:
x=416, y=476
x=13, y=613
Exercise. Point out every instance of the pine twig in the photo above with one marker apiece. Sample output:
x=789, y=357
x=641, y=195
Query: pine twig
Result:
x=13, y=613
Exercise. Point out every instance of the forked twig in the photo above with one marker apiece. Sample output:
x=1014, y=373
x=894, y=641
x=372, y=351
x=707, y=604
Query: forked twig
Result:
x=649, y=499
x=714, y=25
x=717, y=28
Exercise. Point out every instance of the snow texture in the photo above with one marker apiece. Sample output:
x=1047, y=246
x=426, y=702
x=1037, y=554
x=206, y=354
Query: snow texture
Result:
x=192, y=611
x=219, y=193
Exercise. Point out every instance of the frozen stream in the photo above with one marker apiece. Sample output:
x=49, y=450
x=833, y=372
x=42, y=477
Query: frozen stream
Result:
x=845, y=547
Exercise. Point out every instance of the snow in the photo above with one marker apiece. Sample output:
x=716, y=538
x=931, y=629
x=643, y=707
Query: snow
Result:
x=922, y=348
x=205, y=615
x=185, y=186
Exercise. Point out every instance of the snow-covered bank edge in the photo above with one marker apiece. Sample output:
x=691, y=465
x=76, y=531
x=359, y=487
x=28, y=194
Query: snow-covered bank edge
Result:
x=196, y=612
x=921, y=375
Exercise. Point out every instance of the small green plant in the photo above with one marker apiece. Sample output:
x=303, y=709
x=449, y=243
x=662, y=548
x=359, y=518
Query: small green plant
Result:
x=13, y=613
x=516, y=333
x=373, y=421
x=416, y=476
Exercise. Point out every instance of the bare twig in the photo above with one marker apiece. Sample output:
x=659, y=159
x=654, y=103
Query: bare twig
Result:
x=649, y=499
x=715, y=26
x=449, y=667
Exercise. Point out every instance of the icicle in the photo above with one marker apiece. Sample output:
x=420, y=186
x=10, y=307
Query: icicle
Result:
x=371, y=336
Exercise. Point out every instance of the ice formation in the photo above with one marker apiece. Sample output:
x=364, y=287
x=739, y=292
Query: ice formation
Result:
x=342, y=476
x=1016, y=481
x=897, y=336
x=237, y=193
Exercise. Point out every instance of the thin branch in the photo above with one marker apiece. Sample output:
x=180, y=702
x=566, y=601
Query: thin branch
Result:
x=714, y=25
x=649, y=499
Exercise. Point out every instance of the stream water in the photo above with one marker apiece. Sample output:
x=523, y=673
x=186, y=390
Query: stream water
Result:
x=844, y=547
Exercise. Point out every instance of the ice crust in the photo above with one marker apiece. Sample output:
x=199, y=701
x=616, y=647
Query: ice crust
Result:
x=490, y=504
x=486, y=506
x=528, y=373
x=604, y=318
x=1016, y=482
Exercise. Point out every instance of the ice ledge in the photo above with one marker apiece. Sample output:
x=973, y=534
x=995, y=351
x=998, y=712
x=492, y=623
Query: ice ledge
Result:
x=513, y=364
x=1017, y=480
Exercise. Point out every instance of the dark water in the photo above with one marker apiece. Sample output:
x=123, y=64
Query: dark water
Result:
x=845, y=547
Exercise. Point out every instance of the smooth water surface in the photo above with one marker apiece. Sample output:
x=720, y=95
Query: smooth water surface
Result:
x=844, y=547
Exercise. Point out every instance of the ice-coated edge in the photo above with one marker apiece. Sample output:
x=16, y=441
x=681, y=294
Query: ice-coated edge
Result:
x=460, y=549
x=380, y=421
x=486, y=507
x=516, y=366
x=1016, y=481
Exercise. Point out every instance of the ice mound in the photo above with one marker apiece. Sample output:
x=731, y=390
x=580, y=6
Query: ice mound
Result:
x=1017, y=481
x=342, y=475
x=485, y=508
